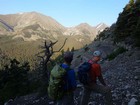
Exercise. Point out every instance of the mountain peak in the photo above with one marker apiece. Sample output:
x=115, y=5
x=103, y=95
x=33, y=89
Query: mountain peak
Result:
x=25, y=19
x=101, y=25
x=84, y=25
x=33, y=12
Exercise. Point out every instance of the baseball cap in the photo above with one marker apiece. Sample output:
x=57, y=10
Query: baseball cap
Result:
x=96, y=53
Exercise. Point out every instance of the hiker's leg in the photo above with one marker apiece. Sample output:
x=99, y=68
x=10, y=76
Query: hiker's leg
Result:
x=66, y=100
x=59, y=102
x=85, y=96
x=106, y=91
x=69, y=99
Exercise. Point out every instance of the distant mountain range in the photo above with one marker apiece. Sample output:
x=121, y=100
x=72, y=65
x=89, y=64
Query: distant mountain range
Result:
x=32, y=26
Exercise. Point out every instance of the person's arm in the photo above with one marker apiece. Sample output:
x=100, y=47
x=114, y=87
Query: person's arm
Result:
x=99, y=75
x=101, y=80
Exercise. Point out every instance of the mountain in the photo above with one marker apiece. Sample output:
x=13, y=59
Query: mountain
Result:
x=100, y=27
x=25, y=24
x=33, y=26
x=30, y=29
x=85, y=29
x=22, y=20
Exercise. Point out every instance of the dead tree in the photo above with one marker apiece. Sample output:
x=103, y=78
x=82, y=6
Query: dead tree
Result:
x=48, y=52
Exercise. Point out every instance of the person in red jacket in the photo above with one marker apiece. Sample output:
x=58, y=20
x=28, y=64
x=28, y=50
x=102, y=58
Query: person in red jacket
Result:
x=95, y=73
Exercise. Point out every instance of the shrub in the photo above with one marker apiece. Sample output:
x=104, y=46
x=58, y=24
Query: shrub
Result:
x=14, y=81
x=118, y=51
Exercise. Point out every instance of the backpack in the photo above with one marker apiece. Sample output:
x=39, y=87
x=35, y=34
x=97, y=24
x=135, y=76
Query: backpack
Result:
x=83, y=73
x=56, y=82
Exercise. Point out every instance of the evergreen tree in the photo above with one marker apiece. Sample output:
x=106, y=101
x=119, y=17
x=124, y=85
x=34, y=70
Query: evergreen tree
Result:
x=131, y=2
x=14, y=80
x=137, y=2
x=72, y=49
x=128, y=23
x=68, y=49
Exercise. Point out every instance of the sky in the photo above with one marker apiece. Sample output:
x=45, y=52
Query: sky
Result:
x=69, y=12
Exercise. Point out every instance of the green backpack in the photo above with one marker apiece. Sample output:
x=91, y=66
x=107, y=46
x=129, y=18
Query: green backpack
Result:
x=56, y=82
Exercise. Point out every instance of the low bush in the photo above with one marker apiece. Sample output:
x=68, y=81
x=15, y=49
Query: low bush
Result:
x=114, y=54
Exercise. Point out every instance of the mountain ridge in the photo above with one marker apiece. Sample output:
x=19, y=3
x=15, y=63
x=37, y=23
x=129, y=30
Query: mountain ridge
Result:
x=34, y=28
x=30, y=18
x=34, y=12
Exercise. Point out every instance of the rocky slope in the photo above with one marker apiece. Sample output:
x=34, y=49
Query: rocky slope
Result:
x=122, y=74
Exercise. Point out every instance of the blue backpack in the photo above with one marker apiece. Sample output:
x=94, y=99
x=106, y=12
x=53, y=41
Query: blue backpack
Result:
x=83, y=73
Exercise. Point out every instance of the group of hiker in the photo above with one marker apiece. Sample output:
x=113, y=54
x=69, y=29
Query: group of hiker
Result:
x=63, y=81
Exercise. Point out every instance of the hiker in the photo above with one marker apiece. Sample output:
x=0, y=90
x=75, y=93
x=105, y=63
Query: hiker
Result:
x=94, y=74
x=70, y=84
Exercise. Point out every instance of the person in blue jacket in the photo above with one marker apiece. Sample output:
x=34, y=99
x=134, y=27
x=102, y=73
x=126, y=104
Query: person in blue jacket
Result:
x=70, y=81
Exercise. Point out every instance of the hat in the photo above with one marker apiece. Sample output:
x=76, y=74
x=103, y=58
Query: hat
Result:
x=97, y=53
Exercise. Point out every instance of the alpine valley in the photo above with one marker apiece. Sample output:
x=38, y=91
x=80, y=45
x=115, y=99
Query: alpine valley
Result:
x=21, y=34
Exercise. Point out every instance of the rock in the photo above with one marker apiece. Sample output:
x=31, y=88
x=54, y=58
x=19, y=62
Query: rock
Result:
x=132, y=101
x=51, y=103
x=138, y=61
x=127, y=86
x=136, y=77
x=91, y=103
x=9, y=102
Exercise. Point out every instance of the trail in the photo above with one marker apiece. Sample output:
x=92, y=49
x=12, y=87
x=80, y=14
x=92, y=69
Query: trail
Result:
x=8, y=27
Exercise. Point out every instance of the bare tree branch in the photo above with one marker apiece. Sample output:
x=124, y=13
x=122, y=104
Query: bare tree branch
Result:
x=41, y=57
x=48, y=52
x=62, y=45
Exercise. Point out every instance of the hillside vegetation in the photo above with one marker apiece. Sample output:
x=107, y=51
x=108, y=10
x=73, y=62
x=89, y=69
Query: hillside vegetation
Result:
x=128, y=24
